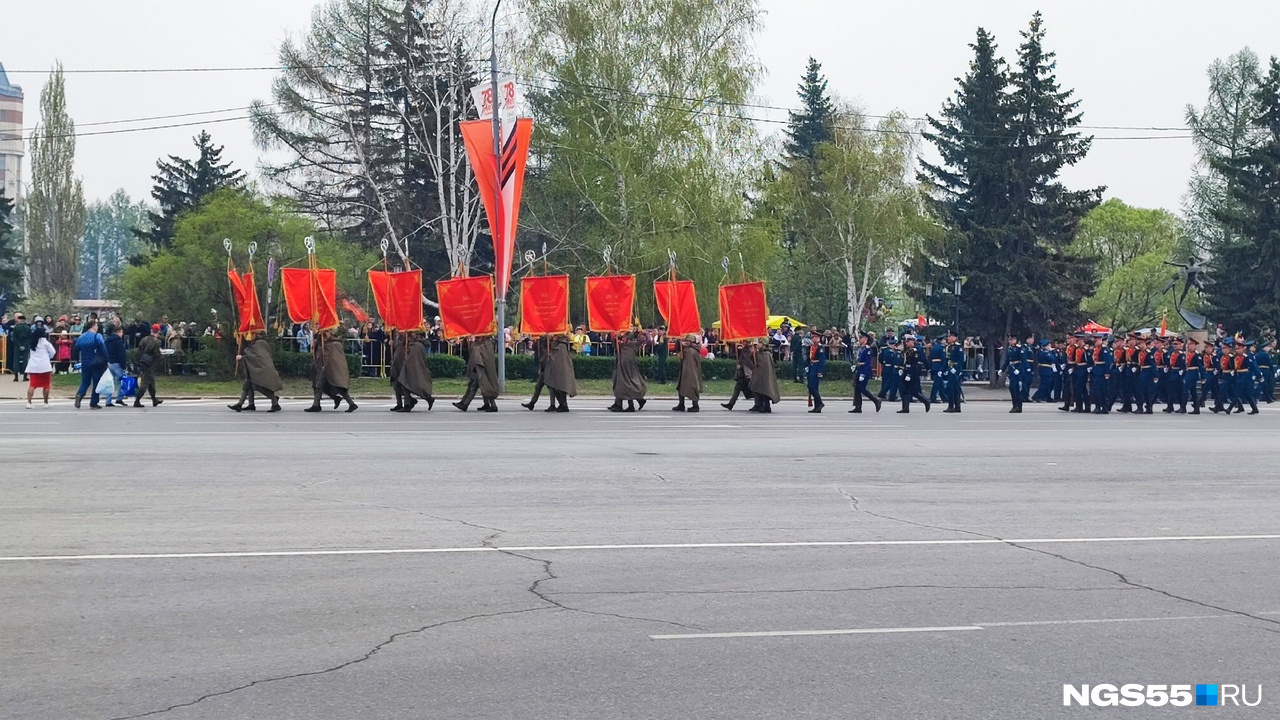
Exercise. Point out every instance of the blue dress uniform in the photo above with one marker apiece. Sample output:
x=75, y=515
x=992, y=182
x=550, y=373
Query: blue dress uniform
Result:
x=1080, y=384
x=1124, y=378
x=1246, y=371
x=937, y=370
x=1195, y=373
x=1013, y=369
x=913, y=367
x=1146, y=381
x=1176, y=364
x=1068, y=374
x=1263, y=359
x=1101, y=375
x=1046, y=364
x=889, y=366
x=955, y=376
x=1226, y=361
x=1059, y=374
x=862, y=377
x=1209, y=369
x=817, y=367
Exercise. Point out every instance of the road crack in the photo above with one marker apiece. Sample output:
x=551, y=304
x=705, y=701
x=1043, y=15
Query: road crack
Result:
x=1272, y=626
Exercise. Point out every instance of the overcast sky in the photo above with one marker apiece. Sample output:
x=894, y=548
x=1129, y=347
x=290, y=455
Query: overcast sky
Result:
x=1132, y=63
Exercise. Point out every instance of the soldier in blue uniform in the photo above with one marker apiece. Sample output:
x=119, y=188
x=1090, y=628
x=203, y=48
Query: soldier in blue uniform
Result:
x=1176, y=370
x=937, y=370
x=1100, y=375
x=1012, y=369
x=1195, y=373
x=954, y=372
x=1225, y=399
x=913, y=368
x=1263, y=360
x=1059, y=372
x=1045, y=370
x=817, y=367
x=890, y=370
x=1246, y=371
x=865, y=360
x=1210, y=372
x=1146, y=391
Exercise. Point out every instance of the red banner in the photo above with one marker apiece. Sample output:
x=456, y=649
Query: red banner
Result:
x=467, y=306
x=678, y=304
x=610, y=299
x=503, y=210
x=743, y=315
x=544, y=305
x=245, y=293
x=399, y=298
x=310, y=295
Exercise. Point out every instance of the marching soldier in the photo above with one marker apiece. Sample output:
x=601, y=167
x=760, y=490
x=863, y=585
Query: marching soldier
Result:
x=1195, y=372
x=482, y=375
x=1146, y=377
x=1013, y=371
x=1263, y=360
x=148, y=362
x=399, y=351
x=817, y=368
x=259, y=374
x=764, y=381
x=742, y=371
x=689, y=384
x=1176, y=379
x=1045, y=371
x=1101, y=372
x=937, y=370
x=1245, y=372
x=541, y=349
x=1225, y=399
x=1070, y=367
x=913, y=369
x=862, y=374
x=559, y=375
x=628, y=381
x=329, y=372
x=414, y=377
x=1127, y=373
x=890, y=370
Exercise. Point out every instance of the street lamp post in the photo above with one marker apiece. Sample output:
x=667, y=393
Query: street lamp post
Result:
x=499, y=226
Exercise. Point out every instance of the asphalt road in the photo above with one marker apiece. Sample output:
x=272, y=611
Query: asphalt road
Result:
x=186, y=562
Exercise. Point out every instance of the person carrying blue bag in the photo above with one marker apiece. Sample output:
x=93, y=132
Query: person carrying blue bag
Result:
x=93, y=363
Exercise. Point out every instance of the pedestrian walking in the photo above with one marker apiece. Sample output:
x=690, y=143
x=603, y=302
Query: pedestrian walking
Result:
x=93, y=363
x=40, y=355
x=148, y=363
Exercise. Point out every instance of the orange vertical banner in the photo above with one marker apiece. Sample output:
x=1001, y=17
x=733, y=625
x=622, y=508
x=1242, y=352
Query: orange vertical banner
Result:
x=610, y=299
x=743, y=314
x=245, y=294
x=501, y=200
x=544, y=305
x=301, y=285
x=678, y=303
x=467, y=306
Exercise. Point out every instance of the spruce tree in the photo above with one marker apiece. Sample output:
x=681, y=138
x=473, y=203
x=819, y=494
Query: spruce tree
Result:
x=10, y=256
x=1004, y=138
x=1244, y=288
x=181, y=184
x=812, y=124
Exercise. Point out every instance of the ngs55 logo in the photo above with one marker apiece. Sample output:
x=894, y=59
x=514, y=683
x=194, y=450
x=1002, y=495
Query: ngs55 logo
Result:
x=1135, y=695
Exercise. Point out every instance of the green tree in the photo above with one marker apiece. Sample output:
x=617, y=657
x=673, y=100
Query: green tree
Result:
x=1223, y=131
x=181, y=185
x=812, y=124
x=1132, y=246
x=1244, y=290
x=54, y=209
x=1004, y=139
x=109, y=241
x=640, y=143
x=10, y=256
x=188, y=279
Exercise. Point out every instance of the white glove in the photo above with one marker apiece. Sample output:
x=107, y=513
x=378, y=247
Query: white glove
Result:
x=1017, y=372
x=907, y=378
x=862, y=378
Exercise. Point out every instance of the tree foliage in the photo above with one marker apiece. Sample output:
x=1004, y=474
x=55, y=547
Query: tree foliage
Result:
x=810, y=126
x=1244, y=288
x=640, y=141
x=1132, y=246
x=1223, y=131
x=181, y=185
x=10, y=256
x=109, y=241
x=188, y=279
x=1004, y=138
x=366, y=113
x=54, y=209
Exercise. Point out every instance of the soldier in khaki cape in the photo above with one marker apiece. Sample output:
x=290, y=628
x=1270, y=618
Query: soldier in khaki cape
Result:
x=541, y=349
x=559, y=375
x=689, y=386
x=482, y=375
x=764, y=380
x=259, y=374
x=329, y=372
x=628, y=381
x=414, y=377
x=742, y=372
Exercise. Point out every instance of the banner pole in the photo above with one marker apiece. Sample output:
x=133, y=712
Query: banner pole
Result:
x=499, y=239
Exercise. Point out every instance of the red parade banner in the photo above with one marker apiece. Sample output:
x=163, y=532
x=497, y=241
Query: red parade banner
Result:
x=743, y=315
x=467, y=307
x=678, y=303
x=544, y=305
x=610, y=299
x=245, y=293
x=398, y=296
x=478, y=137
x=309, y=294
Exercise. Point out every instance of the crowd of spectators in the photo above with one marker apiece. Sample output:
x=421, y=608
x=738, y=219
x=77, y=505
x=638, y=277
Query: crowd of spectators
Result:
x=63, y=332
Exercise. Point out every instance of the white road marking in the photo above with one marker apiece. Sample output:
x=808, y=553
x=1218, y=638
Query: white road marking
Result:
x=648, y=546
x=794, y=633
x=955, y=628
